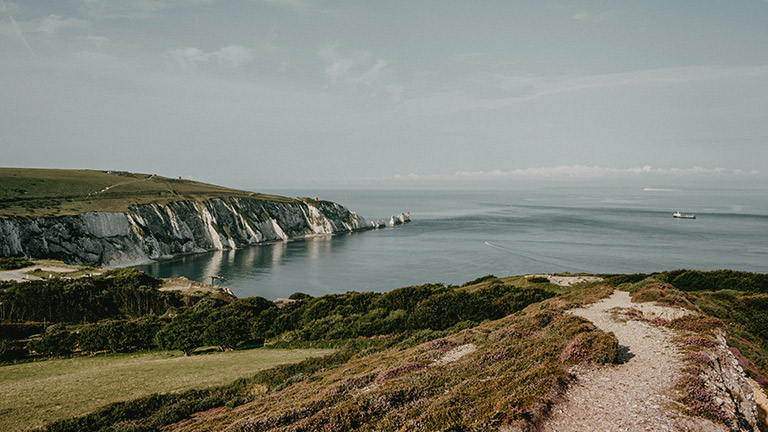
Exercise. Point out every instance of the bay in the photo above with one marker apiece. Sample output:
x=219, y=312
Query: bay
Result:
x=456, y=236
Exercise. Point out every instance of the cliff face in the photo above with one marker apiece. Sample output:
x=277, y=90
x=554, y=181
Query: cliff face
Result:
x=153, y=231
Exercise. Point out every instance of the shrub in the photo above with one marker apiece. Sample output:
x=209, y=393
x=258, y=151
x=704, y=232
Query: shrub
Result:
x=395, y=372
x=597, y=347
x=15, y=331
x=481, y=279
x=617, y=280
x=538, y=279
x=697, y=323
x=183, y=333
x=14, y=263
x=697, y=398
x=226, y=333
x=697, y=341
x=694, y=280
x=55, y=343
x=649, y=293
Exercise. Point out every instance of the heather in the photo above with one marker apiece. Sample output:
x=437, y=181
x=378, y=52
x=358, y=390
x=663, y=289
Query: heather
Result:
x=733, y=302
x=732, y=310
x=359, y=325
x=517, y=371
x=493, y=352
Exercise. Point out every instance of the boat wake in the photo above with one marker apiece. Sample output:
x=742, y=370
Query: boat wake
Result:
x=537, y=258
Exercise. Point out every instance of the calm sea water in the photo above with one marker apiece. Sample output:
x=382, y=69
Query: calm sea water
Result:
x=458, y=236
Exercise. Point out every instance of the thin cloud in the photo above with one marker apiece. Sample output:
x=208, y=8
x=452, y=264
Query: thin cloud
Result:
x=296, y=5
x=54, y=24
x=585, y=16
x=133, y=9
x=15, y=29
x=585, y=172
x=353, y=67
x=233, y=55
x=678, y=75
x=580, y=16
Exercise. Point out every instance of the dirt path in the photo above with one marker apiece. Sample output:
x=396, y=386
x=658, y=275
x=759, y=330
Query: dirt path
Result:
x=120, y=184
x=637, y=395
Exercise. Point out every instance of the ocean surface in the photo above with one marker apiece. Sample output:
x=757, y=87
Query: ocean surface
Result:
x=457, y=236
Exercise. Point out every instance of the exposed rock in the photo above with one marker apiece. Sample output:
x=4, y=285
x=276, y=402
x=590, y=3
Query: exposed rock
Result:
x=728, y=384
x=153, y=231
x=642, y=393
x=400, y=219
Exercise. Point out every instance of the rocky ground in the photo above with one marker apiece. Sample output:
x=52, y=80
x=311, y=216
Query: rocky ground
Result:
x=638, y=394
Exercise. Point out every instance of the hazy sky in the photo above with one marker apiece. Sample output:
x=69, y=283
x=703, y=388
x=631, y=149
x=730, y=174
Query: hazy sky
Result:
x=266, y=93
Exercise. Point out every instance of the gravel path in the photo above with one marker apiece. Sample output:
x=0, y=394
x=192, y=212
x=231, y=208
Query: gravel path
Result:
x=637, y=395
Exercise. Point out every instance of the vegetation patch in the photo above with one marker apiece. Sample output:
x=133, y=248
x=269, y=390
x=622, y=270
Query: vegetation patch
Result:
x=387, y=374
x=14, y=263
x=591, y=347
x=391, y=390
x=538, y=279
x=71, y=387
x=697, y=323
x=29, y=192
x=696, y=397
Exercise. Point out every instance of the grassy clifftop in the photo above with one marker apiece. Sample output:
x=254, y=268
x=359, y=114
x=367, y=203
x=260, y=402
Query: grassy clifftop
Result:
x=56, y=192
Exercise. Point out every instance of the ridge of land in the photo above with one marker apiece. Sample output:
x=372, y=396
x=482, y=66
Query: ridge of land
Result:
x=58, y=192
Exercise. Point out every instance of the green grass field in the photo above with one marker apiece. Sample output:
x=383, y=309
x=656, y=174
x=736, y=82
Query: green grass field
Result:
x=54, y=192
x=33, y=394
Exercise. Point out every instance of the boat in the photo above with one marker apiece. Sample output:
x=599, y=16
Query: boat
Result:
x=678, y=215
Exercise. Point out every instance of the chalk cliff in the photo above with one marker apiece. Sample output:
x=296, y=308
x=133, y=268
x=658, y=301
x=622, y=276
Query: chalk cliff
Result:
x=152, y=231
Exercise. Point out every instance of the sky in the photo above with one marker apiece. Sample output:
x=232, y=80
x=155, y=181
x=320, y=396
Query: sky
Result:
x=404, y=93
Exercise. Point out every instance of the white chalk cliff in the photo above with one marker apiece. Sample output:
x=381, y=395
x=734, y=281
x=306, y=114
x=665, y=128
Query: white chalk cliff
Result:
x=154, y=231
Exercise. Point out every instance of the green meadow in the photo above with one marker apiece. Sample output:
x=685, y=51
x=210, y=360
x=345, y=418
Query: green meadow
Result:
x=36, y=393
x=56, y=192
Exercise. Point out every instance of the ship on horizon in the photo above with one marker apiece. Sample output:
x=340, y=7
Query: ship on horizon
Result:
x=679, y=215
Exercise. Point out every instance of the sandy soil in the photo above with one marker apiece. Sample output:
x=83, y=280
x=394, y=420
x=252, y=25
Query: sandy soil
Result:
x=189, y=286
x=456, y=354
x=566, y=281
x=637, y=395
x=20, y=275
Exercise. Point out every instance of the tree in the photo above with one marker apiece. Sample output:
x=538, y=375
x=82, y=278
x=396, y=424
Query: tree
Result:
x=183, y=333
x=92, y=338
x=55, y=343
x=226, y=333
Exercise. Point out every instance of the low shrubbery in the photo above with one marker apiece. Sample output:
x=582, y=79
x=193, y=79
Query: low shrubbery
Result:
x=116, y=294
x=518, y=360
x=730, y=307
x=14, y=263
x=127, y=306
x=694, y=280
x=393, y=377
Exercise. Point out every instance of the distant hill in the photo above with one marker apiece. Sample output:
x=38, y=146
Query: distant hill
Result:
x=58, y=192
x=114, y=218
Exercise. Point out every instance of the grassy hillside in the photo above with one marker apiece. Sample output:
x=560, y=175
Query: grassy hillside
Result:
x=54, y=192
x=62, y=388
x=414, y=358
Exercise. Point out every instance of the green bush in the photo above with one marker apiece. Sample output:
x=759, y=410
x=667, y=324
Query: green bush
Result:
x=226, y=333
x=55, y=343
x=538, y=279
x=14, y=263
x=481, y=279
x=694, y=280
x=184, y=333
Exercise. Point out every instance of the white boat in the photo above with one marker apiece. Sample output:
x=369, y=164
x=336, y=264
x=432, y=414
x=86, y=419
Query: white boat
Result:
x=678, y=215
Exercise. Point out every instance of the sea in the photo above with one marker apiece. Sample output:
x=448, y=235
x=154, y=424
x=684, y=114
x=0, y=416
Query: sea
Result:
x=458, y=235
